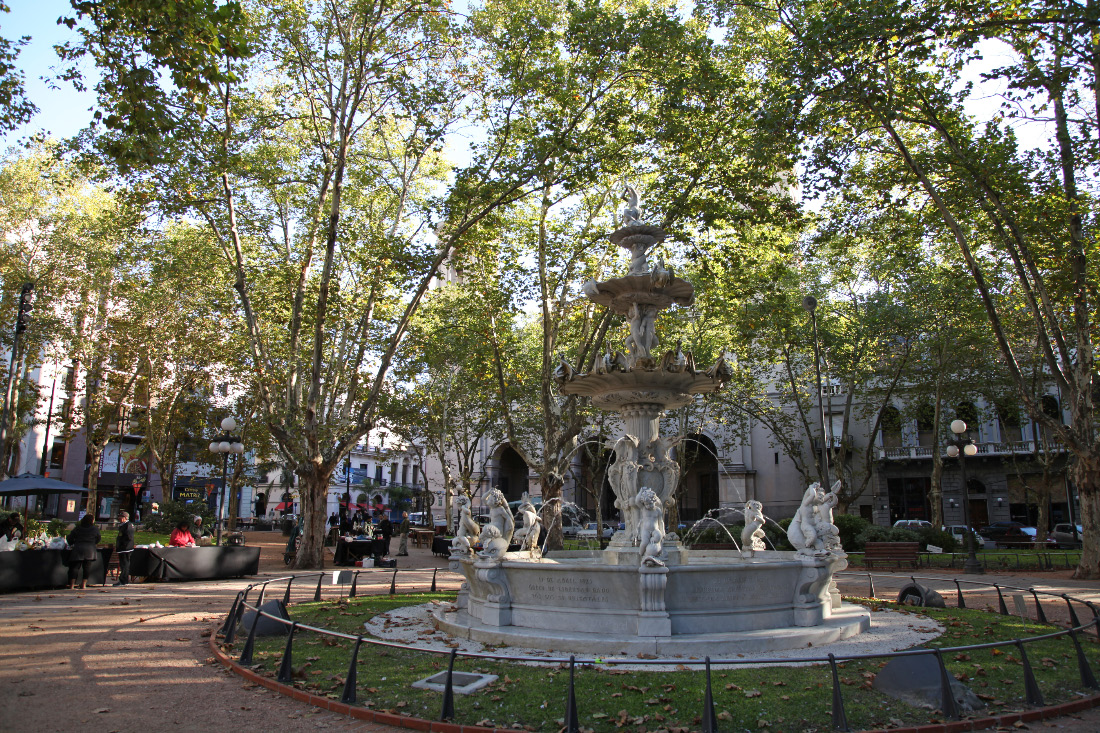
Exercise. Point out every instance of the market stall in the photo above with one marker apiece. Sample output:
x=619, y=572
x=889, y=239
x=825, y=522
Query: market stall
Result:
x=194, y=563
x=39, y=569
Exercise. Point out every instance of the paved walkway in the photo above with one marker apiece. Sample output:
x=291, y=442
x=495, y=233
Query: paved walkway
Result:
x=136, y=658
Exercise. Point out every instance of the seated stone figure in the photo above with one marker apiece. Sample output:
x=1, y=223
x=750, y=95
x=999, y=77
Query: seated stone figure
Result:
x=752, y=536
x=651, y=526
x=468, y=530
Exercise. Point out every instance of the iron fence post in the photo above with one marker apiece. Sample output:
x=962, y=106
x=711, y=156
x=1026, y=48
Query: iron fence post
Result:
x=434, y=571
x=317, y=593
x=572, y=723
x=354, y=581
x=959, y=595
x=286, y=667
x=947, y=695
x=840, y=719
x=250, y=642
x=448, y=712
x=1040, y=614
x=393, y=583
x=710, y=720
x=352, y=679
x=286, y=596
x=1001, y=600
x=224, y=631
x=1031, y=688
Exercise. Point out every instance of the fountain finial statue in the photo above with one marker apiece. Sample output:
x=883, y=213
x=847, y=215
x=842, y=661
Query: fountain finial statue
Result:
x=651, y=525
x=632, y=212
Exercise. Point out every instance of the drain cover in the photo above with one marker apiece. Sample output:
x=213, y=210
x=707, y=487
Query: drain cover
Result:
x=463, y=683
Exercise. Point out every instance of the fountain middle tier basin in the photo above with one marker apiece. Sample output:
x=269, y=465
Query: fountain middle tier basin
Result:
x=706, y=603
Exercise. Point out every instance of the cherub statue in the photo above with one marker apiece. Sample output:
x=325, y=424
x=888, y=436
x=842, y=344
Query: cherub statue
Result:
x=468, y=530
x=500, y=516
x=606, y=363
x=651, y=526
x=623, y=475
x=493, y=545
x=827, y=532
x=752, y=536
x=802, y=532
x=643, y=332
x=632, y=212
x=661, y=275
x=678, y=362
x=528, y=534
x=563, y=372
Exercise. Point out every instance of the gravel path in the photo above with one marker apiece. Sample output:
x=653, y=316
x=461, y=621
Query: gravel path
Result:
x=136, y=658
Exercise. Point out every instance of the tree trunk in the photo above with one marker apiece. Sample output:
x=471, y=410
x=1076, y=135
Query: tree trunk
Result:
x=935, y=493
x=313, y=494
x=554, y=538
x=1086, y=475
x=93, y=478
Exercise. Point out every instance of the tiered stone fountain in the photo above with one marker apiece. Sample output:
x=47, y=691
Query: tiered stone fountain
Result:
x=646, y=593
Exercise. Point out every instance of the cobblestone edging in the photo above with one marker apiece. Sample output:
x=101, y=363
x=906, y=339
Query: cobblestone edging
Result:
x=438, y=726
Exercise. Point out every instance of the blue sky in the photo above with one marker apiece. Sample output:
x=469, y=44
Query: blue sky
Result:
x=63, y=111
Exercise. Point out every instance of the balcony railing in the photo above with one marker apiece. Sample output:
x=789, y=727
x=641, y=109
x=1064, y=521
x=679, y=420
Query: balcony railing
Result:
x=1011, y=448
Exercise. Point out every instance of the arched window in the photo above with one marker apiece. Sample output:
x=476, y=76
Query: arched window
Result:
x=1050, y=407
x=1009, y=421
x=926, y=425
x=891, y=427
x=968, y=413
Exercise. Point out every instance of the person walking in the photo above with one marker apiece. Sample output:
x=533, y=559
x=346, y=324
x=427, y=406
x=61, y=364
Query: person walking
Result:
x=385, y=526
x=403, y=530
x=124, y=547
x=83, y=540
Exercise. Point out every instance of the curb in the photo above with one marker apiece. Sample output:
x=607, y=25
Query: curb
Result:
x=438, y=726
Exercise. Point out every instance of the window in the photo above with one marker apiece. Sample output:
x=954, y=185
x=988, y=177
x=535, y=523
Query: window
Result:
x=890, y=426
x=405, y=474
x=57, y=455
x=926, y=425
x=1009, y=422
x=378, y=473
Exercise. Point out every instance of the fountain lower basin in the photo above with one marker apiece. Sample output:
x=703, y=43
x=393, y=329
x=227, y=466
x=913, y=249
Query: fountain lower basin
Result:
x=700, y=603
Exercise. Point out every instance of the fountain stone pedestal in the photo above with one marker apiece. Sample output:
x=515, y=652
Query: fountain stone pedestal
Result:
x=646, y=594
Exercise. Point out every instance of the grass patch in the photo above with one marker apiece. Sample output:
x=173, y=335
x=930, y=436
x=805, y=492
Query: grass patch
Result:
x=108, y=536
x=778, y=699
x=992, y=560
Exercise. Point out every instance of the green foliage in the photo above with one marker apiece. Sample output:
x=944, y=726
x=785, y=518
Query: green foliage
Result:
x=877, y=533
x=776, y=532
x=173, y=512
x=850, y=527
x=938, y=537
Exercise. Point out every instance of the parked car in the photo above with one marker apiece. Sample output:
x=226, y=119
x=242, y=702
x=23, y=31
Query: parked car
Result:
x=1009, y=534
x=590, y=529
x=1063, y=536
x=958, y=531
x=569, y=526
x=913, y=524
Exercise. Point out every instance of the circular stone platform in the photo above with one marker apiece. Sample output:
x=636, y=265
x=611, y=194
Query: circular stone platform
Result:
x=844, y=623
x=888, y=631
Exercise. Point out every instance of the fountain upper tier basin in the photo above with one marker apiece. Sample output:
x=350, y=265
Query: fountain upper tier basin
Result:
x=643, y=386
x=701, y=603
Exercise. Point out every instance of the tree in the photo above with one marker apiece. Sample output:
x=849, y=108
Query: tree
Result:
x=15, y=108
x=895, y=72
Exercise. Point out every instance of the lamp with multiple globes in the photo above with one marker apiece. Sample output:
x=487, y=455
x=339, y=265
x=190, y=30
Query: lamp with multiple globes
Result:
x=962, y=447
x=225, y=444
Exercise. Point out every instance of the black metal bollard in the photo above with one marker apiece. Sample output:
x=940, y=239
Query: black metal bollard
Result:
x=393, y=583
x=1073, y=622
x=436, y=570
x=959, y=595
x=710, y=720
x=572, y=723
x=1040, y=614
x=947, y=695
x=1001, y=600
x=286, y=667
x=1095, y=618
x=1031, y=688
x=354, y=580
x=224, y=631
x=348, y=696
x=448, y=712
x=250, y=642
x=317, y=593
x=840, y=719
x=1087, y=678
x=286, y=596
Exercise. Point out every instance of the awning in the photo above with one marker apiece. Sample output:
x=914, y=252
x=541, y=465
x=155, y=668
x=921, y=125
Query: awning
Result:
x=284, y=505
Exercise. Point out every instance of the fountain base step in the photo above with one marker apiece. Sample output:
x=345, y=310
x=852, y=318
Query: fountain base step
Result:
x=844, y=622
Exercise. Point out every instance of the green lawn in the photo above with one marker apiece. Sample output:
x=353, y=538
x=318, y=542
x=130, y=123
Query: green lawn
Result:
x=107, y=537
x=782, y=699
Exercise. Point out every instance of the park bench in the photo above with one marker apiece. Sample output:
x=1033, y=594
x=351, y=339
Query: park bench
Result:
x=892, y=554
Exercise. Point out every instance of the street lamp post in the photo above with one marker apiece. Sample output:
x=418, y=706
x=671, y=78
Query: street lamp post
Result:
x=810, y=304
x=225, y=444
x=961, y=446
